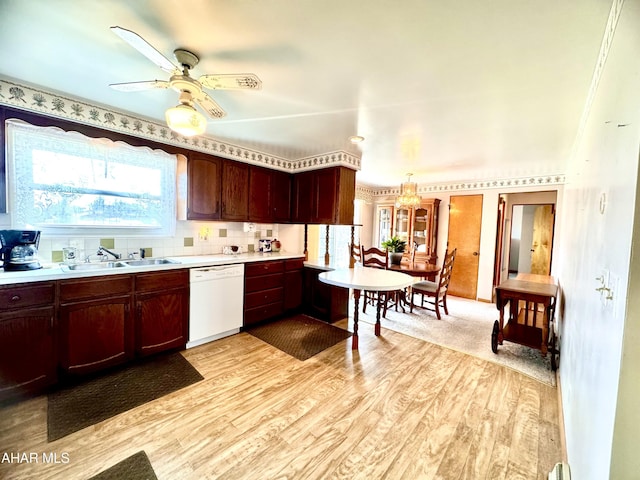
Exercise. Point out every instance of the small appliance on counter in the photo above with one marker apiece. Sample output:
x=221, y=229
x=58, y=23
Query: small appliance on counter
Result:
x=19, y=250
x=231, y=250
x=265, y=245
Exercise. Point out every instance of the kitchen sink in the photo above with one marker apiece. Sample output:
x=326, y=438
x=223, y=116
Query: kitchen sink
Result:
x=95, y=266
x=148, y=261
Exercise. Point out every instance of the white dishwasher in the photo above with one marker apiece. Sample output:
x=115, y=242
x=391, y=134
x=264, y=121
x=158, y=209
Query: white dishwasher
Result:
x=216, y=300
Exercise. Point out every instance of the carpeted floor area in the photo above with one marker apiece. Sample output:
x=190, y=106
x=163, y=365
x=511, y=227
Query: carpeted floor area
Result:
x=467, y=329
x=74, y=407
x=135, y=467
x=300, y=336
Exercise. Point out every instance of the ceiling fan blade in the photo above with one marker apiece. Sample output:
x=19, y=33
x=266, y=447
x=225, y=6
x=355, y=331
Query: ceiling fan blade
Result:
x=138, y=86
x=209, y=105
x=140, y=44
x=231, y=81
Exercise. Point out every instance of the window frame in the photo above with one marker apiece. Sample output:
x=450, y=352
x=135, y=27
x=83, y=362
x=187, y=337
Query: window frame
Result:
x=168, y=217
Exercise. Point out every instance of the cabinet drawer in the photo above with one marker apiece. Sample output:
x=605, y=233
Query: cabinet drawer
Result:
x=95, y=287
x=265, y=282
x=148, y=282
x=294, y=264
x=255, y=315
x=28, y=295
x=263, y=268
x=264, y=297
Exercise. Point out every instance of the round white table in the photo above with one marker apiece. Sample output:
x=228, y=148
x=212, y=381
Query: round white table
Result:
x=366, y=278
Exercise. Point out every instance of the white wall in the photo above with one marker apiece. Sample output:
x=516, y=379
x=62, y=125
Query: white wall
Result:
x=600, y=358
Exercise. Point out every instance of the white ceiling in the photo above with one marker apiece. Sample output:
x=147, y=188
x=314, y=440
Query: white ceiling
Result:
x=450, y=91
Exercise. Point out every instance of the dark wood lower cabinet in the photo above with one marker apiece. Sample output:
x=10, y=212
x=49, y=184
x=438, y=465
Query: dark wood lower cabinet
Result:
x=27, y=351
x=96, y=323
x=324, y=301
x=95, y=334
x=162, y=311
x=293, y=284
x=263, y=291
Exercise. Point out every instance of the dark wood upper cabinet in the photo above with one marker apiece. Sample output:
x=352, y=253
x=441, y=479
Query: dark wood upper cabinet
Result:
x=303, y=193
x=204, y=177
x=235, y=191
x=324, y=196
x=269, y=195
x=260, y=187
x=280, y=196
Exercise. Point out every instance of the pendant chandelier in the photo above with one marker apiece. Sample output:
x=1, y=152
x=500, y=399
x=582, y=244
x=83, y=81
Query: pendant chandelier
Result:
x=408, y=197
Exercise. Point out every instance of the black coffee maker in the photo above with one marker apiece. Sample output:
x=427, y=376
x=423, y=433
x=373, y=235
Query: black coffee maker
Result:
x=19, y=250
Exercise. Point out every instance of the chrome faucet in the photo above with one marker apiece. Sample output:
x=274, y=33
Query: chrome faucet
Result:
x=103, y=251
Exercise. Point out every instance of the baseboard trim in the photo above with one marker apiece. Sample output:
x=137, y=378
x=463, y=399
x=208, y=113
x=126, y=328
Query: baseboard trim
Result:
x=563, y=442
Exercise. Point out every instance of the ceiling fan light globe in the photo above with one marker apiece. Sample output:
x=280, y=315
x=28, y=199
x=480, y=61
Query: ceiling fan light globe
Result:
x=186, y=120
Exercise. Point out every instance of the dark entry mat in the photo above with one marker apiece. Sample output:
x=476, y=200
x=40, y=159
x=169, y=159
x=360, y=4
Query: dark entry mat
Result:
x=300, y=336
x=74, y=407
x=136, y=467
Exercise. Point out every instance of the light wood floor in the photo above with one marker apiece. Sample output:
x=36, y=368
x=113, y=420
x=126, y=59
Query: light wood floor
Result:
x=397, y=408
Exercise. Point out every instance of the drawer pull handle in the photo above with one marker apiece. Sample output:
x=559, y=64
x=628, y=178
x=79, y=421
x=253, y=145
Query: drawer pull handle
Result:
x=15, y=298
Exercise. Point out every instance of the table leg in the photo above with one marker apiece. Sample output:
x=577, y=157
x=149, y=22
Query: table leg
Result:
x=500, y=335
x=545, y=328
x=356, y=302
x=378, y=308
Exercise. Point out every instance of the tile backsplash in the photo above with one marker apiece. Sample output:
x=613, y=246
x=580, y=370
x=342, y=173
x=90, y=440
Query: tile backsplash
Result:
x=191, y=238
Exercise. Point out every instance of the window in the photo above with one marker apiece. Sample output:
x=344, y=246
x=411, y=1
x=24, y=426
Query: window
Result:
x=339, y=239
x=64, y=183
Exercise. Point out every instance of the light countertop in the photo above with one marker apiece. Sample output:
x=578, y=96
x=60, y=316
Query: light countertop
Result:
x=56, y=271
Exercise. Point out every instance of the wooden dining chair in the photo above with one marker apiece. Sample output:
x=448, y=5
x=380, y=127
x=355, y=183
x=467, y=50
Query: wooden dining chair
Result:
x=375, y=258
x=355, y=252
x=435, y=292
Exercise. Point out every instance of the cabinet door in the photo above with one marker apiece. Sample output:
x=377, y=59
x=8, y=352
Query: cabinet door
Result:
x=235, y=191
x=281, y=196
x=27, y=353
x=326, y=197
x=303, y=196
x=204, y=193
x=260, y=194
x=162, y=321
x=324, y=301
x=293, y=282
x=95, y=334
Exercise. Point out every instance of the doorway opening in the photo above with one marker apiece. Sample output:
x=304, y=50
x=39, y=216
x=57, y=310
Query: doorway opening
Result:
x=526, y=224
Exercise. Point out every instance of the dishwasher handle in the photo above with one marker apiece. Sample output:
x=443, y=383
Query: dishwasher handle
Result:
x=217, y=271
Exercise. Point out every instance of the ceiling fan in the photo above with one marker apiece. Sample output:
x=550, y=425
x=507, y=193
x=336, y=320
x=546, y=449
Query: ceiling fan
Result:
x=184, y=118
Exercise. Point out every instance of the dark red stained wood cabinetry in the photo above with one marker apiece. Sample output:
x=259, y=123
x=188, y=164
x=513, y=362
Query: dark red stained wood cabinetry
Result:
x=260, y=188
x=324, y=301
x=269, y=195
x=302, y=207
x=27, y=340
x=324, y=196
x=281, y=196
x=293, y=283
x=263, y=291
x=162, y=311
x=204, y=177
x=235, y=191
x=96, y=327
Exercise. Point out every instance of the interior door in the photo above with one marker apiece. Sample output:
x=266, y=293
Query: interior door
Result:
x=542, y=240
x=465, y=221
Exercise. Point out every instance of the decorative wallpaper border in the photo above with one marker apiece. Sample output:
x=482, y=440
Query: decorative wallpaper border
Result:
x=532, y=181
x=58, y=106
x=605, y=46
